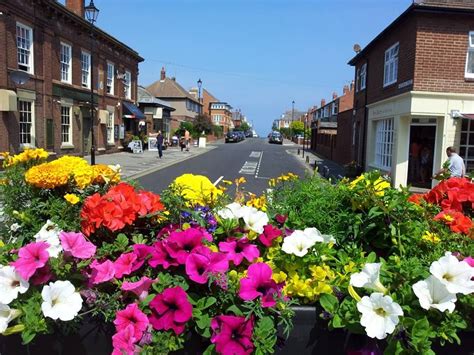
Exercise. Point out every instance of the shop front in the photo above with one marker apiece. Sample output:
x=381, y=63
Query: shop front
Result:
x=407, y=135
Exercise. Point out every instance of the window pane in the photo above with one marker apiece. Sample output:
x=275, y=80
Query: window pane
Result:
x=470, y=62
x=465, y=124
x=463, y=138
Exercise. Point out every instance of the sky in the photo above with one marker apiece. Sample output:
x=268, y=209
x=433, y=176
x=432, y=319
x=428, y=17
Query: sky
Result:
x=257, y=55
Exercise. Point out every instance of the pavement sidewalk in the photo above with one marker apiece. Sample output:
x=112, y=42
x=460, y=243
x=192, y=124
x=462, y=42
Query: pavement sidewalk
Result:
x=326, y=167
x=138, y=165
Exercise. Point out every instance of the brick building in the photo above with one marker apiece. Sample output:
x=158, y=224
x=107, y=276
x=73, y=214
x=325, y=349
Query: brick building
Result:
x=51, y=43
x=221, y=115
x=415, y=90
x=332, y=123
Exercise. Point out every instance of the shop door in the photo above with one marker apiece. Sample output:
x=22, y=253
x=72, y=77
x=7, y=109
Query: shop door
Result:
x=421, y=152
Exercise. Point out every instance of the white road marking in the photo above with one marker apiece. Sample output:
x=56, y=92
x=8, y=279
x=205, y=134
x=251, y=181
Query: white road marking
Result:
x=249, y=168
x=258, y=166
x=255, y=154
x=218, y=180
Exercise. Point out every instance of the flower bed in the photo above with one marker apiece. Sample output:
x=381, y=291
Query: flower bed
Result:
x=195, y=268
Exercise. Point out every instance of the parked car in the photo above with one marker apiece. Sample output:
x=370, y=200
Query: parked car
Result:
x=248, y=134
x=276, y=138
x=232, y=137
x=241, y=135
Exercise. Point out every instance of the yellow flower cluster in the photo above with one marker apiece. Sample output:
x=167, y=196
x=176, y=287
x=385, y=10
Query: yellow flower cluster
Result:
x=307, y=288
x=259, y=203
x=379, y=186
x=72, y=198
x=69, y=169
x=430, y=237
x=282, y=178
x=196, y=189
x=26, y=156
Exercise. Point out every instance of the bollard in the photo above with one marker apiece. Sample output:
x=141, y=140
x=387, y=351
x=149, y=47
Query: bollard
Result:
x=307, y=159
x=315, y=165
x=298, y=151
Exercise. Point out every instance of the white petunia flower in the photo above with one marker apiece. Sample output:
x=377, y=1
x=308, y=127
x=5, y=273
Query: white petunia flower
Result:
x=327, y=238
x=49, y=233
x=231, y=211
x=454, y=274
x=368, y=278
x=298, y=243
x=254, y=219
x=14, y=227
x=5, y=317
x=60, y=301
x=11, y=283
x=379, y=315
x=432, y=293
x=313, y=234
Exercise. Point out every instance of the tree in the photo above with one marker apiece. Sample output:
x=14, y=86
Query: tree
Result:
x=244, y=126
x=202, y=123
x=185, y=126
x=297, y=127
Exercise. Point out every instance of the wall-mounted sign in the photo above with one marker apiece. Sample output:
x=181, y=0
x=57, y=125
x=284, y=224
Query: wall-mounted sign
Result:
x=122, y=132
x=116, y=131
x=405, y=84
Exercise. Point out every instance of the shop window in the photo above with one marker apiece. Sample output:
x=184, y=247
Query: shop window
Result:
x=384, y=144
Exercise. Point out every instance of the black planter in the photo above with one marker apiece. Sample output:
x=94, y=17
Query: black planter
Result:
x=91, y=339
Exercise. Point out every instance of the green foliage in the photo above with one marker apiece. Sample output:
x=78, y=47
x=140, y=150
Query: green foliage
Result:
x=202, y=123
x=297, y=127
x=264, y=336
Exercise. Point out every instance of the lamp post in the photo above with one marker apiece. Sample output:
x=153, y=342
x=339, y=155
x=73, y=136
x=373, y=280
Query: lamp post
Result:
x=304, y=132
x=199, y=82
x=92, y=13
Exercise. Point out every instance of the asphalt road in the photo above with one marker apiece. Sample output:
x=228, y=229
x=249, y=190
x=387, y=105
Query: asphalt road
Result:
x=255, y=159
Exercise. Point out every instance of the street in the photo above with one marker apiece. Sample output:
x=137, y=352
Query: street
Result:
x=255, y=159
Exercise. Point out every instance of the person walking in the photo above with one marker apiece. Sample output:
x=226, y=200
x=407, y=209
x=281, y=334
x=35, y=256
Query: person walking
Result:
x=187, y=138
x=456, y=167
x=159, y=143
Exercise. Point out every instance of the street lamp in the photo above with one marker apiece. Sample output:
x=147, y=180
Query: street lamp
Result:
x=199, y=82
x=92, y=13
x=293, y=110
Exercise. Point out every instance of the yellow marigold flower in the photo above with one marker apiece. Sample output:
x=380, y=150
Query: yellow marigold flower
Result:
x=322, y=287
x=320, y=273
x=430, y=237
x=298, y=287
x=72, y=198
x=104, y=174
x=197, y=189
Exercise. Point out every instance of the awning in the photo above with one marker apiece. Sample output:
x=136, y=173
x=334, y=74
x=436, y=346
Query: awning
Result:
x=468, y=115
x=8, y=100
x=132, y=111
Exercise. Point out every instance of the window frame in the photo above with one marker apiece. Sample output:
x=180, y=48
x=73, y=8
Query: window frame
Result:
x=392, y=59
x=69, y=142
x=384, y=143
x=31, y=62
x=110, y=128
x=469, y=51
x=32, y=132
x=88, y=84
x=363, y=77
x=467, y=145
x=68, y=80
x=357, y=79
x=127, y=85
x=112, y=79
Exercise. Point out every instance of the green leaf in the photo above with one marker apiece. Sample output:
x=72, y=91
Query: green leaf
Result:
x=204, y=321
x=234, y=309
x=371, y=258
x=329, y=302
x=420, y=333
x=210, y=350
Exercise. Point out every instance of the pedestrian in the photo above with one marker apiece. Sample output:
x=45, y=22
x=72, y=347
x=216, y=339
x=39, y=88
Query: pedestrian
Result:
x=455, y=165
x=159, y=143
x=187, y=139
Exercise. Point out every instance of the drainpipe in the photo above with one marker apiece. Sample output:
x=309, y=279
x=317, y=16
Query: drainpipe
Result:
x=366, y=114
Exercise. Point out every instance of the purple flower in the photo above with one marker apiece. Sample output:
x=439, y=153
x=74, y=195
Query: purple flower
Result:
x=202, y=262
x=259, y=283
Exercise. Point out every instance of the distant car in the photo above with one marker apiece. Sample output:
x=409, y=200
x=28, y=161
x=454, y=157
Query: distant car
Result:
x=248, y=134
x=232, y=137
x=276, y=138
x=255, y=135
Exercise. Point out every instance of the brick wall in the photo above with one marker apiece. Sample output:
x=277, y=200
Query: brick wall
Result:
x=343, y=151
x=442, y=42
x=51, y=26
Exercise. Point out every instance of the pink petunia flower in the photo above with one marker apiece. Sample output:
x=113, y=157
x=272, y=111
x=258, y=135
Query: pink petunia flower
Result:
x=171, y=310
x=77, y=245
x=124, y=342
x=259, y=283
x=160, y=256
x=140, y=288
x=281, y=219
x=123, y=265
x=270, y=233
x=41, y=276
x=131, y=315
x=142, y=251
x=180, y=244
x=232, y=335
x=102, y=272
x=238, y=249
x=31, y=258
x=469, y=260
x=202, y=262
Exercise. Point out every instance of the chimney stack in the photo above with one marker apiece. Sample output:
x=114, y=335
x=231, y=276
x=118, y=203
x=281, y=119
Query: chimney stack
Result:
x=76, y=6
x=323, y=102
x=345, y=90
x=163, y=74
x=334, y=95
x=352, y=85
